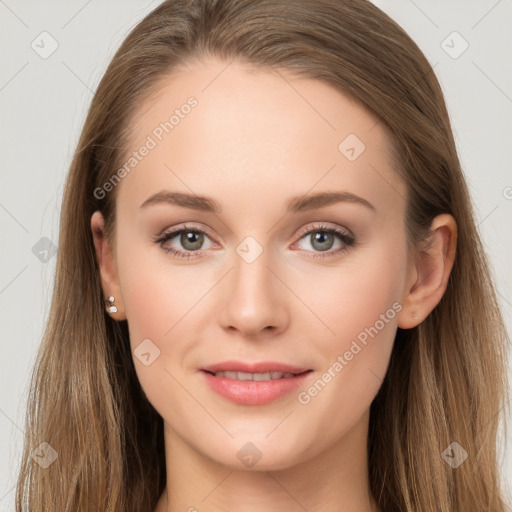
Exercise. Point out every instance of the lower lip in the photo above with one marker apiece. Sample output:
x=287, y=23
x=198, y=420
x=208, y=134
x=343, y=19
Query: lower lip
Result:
x=250, y=392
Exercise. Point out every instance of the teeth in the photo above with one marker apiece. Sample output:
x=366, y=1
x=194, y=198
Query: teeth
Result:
x=263, y=376
x=242, y=376
x=254, y=376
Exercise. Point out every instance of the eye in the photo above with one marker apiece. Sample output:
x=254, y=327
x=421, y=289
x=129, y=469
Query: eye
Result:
x=190, y=238
x=322, y=238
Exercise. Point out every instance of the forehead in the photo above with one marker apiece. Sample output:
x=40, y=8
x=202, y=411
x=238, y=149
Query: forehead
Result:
x=235, y=97
x=220, y=126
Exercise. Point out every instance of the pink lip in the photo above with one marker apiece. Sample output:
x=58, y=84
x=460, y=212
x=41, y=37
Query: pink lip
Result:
x=261, y=367
x=254, y=392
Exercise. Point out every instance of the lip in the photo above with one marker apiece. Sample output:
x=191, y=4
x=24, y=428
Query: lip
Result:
x=245, y=392
x=260, y=367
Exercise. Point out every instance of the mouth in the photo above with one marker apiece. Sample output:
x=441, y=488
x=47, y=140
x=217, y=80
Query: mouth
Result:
x=254, y=384
x=260, y=368
x=245, y=376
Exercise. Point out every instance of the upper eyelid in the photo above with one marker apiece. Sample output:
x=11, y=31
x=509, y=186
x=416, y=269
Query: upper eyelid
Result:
x=324, y=226
x=171, y=233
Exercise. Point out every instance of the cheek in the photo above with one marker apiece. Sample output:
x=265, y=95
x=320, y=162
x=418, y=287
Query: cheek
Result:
x=157, y=292
x=358, y=304
x=354, y=295
x=159, y=299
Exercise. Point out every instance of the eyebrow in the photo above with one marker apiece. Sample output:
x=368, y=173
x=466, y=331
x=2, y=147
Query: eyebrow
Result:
x=295, y=204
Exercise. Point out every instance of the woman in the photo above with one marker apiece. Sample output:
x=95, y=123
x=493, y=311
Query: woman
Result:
x=204, y=351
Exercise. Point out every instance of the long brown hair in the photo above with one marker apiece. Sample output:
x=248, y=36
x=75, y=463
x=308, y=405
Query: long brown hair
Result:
x=446, y=380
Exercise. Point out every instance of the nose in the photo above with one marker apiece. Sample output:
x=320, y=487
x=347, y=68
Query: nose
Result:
x=254, y=300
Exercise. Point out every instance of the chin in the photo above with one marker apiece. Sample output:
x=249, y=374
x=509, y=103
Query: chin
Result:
x=257, y=455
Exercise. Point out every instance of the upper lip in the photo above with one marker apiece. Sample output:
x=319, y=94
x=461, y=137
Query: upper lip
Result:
x=260, y=367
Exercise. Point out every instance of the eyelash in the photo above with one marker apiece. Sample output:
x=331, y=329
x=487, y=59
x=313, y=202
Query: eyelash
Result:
x=348, y=239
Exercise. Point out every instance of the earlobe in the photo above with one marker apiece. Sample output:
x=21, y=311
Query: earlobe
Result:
x=433, y=263
x=107, y=268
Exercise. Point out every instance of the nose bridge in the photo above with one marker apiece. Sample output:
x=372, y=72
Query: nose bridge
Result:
x=251, y=276
x=253, y=300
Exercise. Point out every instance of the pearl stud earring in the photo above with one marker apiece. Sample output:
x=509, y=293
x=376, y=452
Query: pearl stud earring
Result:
x=110, y=305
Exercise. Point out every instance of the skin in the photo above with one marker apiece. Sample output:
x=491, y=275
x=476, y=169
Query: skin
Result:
x=255, y=139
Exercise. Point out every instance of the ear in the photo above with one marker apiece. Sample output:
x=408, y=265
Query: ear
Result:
x=429, y=273
x=107, y=265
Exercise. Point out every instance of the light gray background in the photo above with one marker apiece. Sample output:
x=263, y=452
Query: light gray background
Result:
x=43, y=105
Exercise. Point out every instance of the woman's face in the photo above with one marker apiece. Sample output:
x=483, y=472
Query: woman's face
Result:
x=261, y=279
